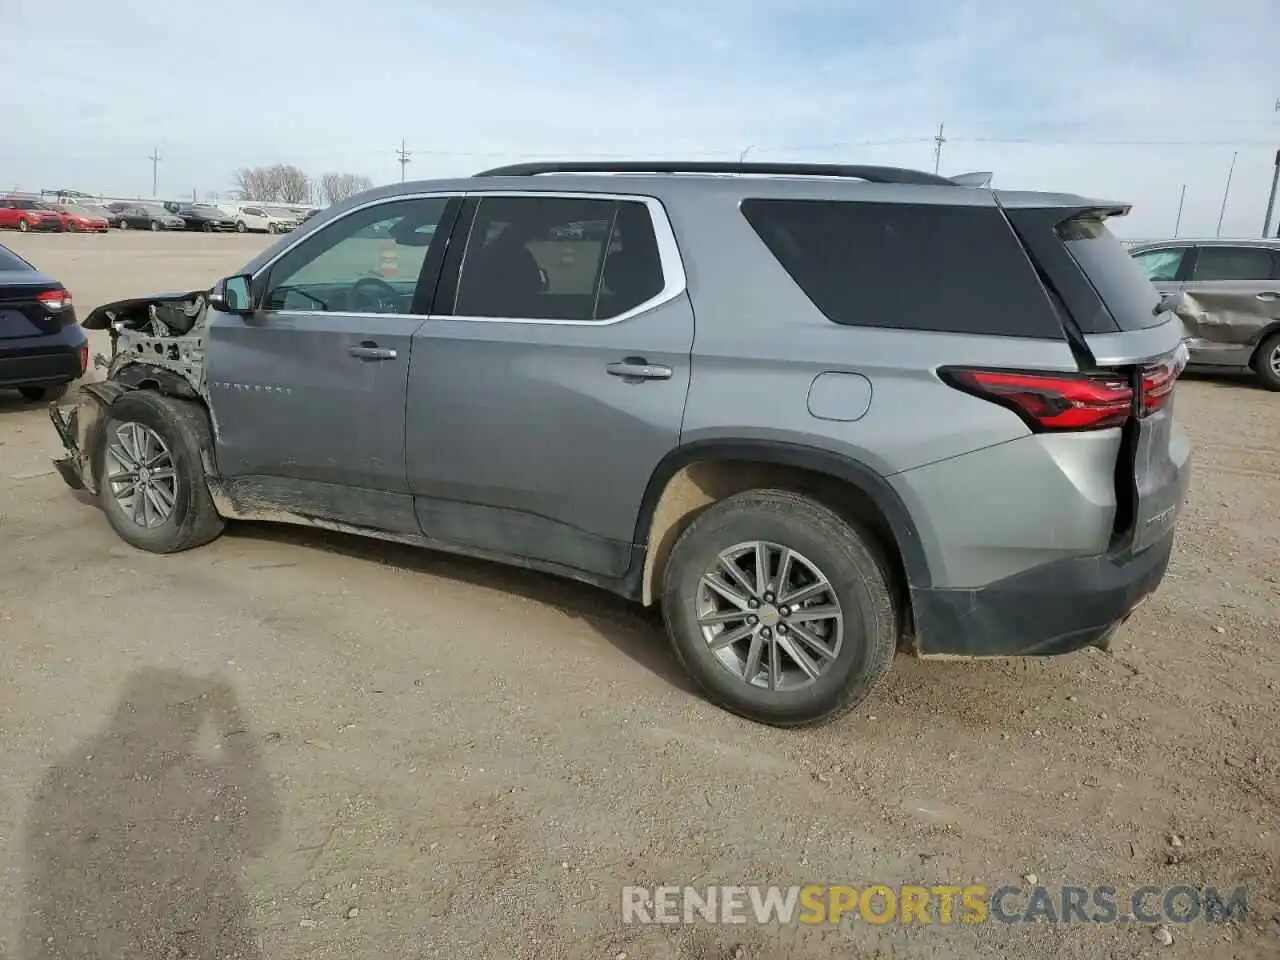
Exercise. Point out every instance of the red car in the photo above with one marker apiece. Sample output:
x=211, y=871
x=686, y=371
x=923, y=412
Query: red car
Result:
x=20, y=213
x=83, y=219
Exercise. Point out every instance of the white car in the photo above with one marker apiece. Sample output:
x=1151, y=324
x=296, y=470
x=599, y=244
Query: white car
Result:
x=265, y=219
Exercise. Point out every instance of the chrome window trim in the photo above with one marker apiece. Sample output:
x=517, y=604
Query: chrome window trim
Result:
x=674, y=279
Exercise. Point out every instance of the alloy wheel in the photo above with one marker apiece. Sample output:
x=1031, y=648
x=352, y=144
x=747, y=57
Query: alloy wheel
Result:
x=140, y=474
x=769, y=615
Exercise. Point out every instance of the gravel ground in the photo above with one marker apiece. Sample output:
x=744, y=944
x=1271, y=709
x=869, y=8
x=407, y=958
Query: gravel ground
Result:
x=291, y=744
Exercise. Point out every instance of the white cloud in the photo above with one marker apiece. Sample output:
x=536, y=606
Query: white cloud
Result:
x=333, y=85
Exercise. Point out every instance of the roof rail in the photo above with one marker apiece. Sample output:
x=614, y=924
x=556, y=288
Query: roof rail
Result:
x=852, y=171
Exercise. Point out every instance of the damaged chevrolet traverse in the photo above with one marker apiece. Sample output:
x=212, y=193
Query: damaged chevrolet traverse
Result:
x=682, y=387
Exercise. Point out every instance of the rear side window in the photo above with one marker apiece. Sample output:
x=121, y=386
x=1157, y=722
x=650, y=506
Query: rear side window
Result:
x=559, y=258
x=1161, y=266
x=948, y=269
x=1234, y=263
x=11, y=261
x=1121, y=284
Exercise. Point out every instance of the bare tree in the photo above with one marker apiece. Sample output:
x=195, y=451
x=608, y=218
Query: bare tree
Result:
x=336, y=187
x=282, y=182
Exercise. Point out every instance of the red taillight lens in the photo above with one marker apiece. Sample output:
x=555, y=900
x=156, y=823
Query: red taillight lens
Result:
x=55, y=300
x=1050, y=401
x=1158, y=380
x=84, y=358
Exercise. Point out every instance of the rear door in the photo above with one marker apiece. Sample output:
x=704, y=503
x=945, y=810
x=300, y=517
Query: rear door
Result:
x=551, y=378
x=309, y=392
x=1116, y=313
x=1233, y=296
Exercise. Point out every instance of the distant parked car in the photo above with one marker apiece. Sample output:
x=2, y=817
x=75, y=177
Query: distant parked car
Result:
x=42, y=348
x=78, y=219
x=264, y=219
x=206, y=217
x=309, y=214
x=138, y=217
x=1227, y=293
x=20, y=213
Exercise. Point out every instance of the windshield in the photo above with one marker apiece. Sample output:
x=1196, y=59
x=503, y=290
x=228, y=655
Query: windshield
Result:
x=280, y=212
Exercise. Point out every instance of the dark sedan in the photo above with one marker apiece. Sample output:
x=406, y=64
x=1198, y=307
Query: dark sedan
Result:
x=206, y=217
x=137, y=217
x=42, y=348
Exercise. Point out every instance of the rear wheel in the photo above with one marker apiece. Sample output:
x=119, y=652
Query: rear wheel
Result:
x=151, y=479
x=779, y=609
x=124, y=224
x=1266, y=362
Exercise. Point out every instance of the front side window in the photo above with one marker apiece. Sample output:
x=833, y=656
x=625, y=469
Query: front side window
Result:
x=1235, y=263
x=1161, y=265
x=559, y=258
x=366, y=262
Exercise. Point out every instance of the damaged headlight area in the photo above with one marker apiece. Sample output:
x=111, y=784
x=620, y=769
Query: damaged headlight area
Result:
x=156, y=342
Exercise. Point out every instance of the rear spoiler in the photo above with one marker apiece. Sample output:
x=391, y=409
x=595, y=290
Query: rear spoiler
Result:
x=977, y=179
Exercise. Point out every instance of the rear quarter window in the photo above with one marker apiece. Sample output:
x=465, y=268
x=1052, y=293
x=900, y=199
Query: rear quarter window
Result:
x=1123, y=287
x=928, y=267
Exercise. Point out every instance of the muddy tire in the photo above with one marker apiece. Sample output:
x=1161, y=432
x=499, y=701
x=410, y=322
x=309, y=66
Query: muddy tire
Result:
x=810, y=605
x=151, y=479
x=1266, y=362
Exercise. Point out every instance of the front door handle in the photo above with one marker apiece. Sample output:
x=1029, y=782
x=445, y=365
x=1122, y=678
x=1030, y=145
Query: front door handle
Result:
x=368, y=350
x=1269, y=295
x=635, y=369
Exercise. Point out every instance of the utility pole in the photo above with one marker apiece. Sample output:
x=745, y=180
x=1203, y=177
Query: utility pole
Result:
x=1226, y=192
x=938, y=141
x=403, y=156
x=1271, y=198
x=155, y=161
x=1181, y=200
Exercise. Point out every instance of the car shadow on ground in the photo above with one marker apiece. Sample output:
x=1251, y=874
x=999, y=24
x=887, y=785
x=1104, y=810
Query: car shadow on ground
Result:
x=13, y=402
x=636, y=631
x=1225, y=379
x=136, y=837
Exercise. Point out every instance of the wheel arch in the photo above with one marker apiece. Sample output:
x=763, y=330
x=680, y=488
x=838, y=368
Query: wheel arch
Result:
x=1266, y=333
x=697, y=474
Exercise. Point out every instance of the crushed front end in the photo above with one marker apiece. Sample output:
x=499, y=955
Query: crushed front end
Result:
x=156, y=343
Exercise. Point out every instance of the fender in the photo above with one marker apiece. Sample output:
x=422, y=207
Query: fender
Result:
x=135, y=374
x=869, y=482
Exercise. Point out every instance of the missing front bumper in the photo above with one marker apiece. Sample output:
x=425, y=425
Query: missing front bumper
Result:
x=78, y=428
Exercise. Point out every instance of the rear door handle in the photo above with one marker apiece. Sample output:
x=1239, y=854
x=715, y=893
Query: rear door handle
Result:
x=636, y=369
x=1269, y=295
x=368, y=350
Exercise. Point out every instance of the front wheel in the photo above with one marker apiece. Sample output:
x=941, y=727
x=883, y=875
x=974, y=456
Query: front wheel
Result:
x=23, y=226
x=151, y=479
x=271, y=228
x=208, y=228
x=124, y=224
x=779, y=609
x=1266, y=362
x=240, y=227
x=155, y=226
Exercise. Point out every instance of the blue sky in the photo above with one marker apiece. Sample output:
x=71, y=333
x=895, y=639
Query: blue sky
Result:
x=1074, y=96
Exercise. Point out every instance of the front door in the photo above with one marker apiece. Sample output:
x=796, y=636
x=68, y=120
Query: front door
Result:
x=308, y=393
x=551, y=379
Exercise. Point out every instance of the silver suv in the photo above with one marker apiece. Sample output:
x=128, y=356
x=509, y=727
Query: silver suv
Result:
x=814, y=412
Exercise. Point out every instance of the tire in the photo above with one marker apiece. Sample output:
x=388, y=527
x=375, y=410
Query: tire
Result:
x=1266, y=362
x=124, y=224
x=155, y=226
x=271, y=228
x=819, y=539
x=23, y=226
x=184, y=428
x=208, y=228
x=50, y=392
x=240, y=227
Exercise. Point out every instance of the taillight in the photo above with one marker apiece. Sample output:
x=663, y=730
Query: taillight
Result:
x=84, y=358
x=55, y=300
x=1158, y=380
x=1050, y=401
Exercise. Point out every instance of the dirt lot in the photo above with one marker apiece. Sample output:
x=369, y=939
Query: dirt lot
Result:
x=416, y=756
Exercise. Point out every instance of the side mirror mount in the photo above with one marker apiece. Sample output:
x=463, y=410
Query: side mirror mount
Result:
x=232, y=295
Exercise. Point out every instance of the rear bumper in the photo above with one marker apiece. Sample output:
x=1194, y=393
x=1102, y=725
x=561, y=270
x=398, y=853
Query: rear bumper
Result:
x=1055, y=608
x=31, y=361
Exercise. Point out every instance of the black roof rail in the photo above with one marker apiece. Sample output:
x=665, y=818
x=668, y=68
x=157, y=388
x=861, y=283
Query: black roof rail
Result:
x=852, y=171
